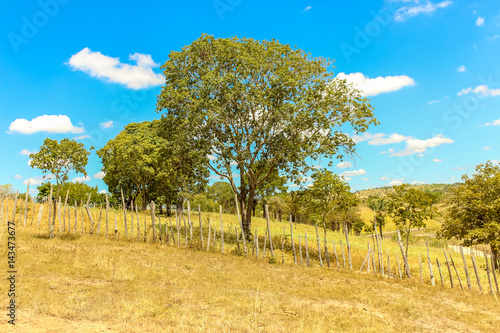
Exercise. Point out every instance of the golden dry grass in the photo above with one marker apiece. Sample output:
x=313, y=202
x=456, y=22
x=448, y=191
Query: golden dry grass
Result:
x=90, y=283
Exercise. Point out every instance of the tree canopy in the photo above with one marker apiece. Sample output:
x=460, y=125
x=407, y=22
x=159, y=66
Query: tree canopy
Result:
x=260, y=107
x=473, y=215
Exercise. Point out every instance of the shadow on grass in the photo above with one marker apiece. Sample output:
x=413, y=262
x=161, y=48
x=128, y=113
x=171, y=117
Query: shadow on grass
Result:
x=65, y=236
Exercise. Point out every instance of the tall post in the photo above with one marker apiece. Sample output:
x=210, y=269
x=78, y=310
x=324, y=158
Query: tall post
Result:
x=201, y=227
x=465, y=267
x=405, y=260
x=153, y=219
x=433, y=282
x=319, y=246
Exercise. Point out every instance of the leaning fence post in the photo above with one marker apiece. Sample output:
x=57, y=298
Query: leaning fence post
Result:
x=465, y=267
x=335, y=253
x=456, y=270
x=488, y=272
x=493, y=271
x=327, y=255
x=348, y=245
x=449, y=268
x=319, y=246
x=405, y=260
x=269, y=233
x=440, y=273
x=475, y=271
x=433, y=282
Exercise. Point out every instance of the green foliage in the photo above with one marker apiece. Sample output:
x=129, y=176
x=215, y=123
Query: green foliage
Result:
x=59, y=158
x=410, y=208
x=379, y=207
x=222, y=194
x=6, y=190
x=329, y=195
x=262, y=106
x=77, y=191
x=473, y=215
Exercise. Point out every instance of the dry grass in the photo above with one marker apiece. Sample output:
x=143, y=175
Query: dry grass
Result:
x=90, y=283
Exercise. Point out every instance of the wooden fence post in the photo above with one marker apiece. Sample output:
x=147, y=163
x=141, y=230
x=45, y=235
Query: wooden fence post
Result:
x=269, y=232
x=343, y=255
x=177, y=222
x=190, y=223
x=153, y=219
x=132, y=219
x=237, y=238
x=209, y=231
x=185, y=227
x=124, y=213
x=201, y=227
x=399, y=267
x=171, y=230
x=456, y=270
x=221, y=231
x=319, y=246
x=476, y=272
x=50, y=206
x=58, y=213
x=440, y=273
x=300, y=249
x=465, y=267
x=65, y=208
x=348, y=245
x=449, y=268
x=405, y=260
x=293, y=244
x=265, y=243
x=90, y=216
x=366, y=259
x=431, y=273
x=107, y=213
x=81, y=214
x=335, y=253
x=327, y=255
x=488, y=272
x=493, y=271
x=138, y=222
x=373, y=258
x=26, y=201
x=381, y=255
x=99, y=222
x=256, y=243
x=307, y=250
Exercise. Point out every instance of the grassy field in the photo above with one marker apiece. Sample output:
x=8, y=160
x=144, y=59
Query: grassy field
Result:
x=90, y=283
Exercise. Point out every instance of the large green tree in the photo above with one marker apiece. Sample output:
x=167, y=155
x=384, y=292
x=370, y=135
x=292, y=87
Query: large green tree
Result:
x=260, y=107
x=473, y=214
x=58, y=159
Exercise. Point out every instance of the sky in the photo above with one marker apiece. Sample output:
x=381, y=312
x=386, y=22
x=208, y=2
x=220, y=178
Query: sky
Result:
x=85, y=69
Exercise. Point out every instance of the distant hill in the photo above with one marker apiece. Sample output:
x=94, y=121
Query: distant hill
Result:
x=383, y=191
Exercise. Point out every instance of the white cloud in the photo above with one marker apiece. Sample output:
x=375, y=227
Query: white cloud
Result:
x=26, y=152
x=495, y=161
x=384, y=178
x=365, y=178
x=45, y=123
x=103, y=192
x=481, y=90
x=366, y=136
x=106, y=124
x=486, y=148
x=344, y=165
x=354, y=173
x=35, y=181
x=434, y=101
x=81, y=137
x=396, y=182
x=418, y=7
x=393, y=138
x=461, y=68
x=99, y=175
x=415, y=146
x=437, y=160
x=308, y=8
x=347, y=178
x=418, y=182
x=378, y=85
x=110, y=69
x=29, y=162
x=18, y=176
x=493, y=123
x=480, y=21
x=80, y=179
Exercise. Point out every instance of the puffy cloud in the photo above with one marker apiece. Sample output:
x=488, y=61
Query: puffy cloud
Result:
x=110, y=69
x=26, y=152
x=80, y=179
x=482, y=91
x=308, y=8
x=344, y=165
x=107, y=124
x=99, y=175
x=437, y=160
x=480, y=21
x=393, y=138
x=35, y=181
x=378, y=85
x=417, y=7
x=415, y=146
x=366, y=136
x=461, y=68
x=354, y=173
x=18, y=176
x=493, y=123
x=45, y=123
x=384, y=178
x=365, y=178
x=486, y=148
x=396, y=182
x=81, y=137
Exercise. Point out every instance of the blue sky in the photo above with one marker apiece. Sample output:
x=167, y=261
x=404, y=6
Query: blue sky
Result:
x=85, y=69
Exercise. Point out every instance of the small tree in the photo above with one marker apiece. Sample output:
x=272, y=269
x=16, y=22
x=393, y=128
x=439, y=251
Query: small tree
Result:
x=409, y=207
x=379, y=207
x=58, y=159
x=330, y=194
x=473, y=215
